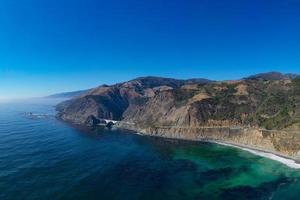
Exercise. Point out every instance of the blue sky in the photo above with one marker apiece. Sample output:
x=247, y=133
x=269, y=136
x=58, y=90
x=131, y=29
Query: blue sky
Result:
x=64, y=45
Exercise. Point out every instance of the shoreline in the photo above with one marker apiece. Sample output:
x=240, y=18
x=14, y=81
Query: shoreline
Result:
x=288, y=161
x=275, y=156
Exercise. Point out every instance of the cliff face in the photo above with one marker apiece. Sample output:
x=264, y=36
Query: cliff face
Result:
x=165, y=107
x=283, y=143
x=111, y=102
x=270, y=104
x=270, y=101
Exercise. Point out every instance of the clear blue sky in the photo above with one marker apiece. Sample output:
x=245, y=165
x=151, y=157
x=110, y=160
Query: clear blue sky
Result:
x=64, y=45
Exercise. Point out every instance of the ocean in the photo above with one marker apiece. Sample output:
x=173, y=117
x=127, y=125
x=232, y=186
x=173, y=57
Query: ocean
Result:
x=44, y=158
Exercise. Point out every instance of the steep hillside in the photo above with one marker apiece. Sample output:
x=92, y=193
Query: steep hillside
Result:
x=260, y=112
x=110, y=102
x=256, y=103
x=268, y=101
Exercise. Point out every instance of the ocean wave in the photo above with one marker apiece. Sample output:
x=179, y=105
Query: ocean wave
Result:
x=288, y=162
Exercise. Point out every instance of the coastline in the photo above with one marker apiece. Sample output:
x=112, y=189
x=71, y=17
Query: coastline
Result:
x=283, y=159
x=290, y=161
x=287, y=160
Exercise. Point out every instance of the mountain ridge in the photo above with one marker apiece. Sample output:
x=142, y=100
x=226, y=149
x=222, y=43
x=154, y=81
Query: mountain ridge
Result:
x=71, y=94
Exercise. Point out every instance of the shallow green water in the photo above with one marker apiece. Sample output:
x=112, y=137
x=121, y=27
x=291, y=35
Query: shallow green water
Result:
x=44, y=158
x=231, y=173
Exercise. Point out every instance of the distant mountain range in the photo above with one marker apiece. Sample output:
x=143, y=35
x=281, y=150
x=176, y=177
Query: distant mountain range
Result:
x=67, y=94
x=273, y=76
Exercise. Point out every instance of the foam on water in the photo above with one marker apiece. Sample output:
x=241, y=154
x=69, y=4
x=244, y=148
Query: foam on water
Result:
x=288, y=162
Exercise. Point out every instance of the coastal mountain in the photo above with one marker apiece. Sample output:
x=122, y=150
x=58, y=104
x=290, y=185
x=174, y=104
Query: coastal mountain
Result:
x=67, y=94
x=261, y=111
x=269, y=100
x=111, y=102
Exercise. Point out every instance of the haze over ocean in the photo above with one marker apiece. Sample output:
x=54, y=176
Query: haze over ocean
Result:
x=54, y=46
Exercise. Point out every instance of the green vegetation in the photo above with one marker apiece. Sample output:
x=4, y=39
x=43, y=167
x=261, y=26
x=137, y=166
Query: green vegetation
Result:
x=296, y=86
x=271, y=103
x=231, y=88
x=181, y=96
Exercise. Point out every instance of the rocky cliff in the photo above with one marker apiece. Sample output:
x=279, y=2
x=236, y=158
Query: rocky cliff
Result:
x=111, y=102
x=236, y=111
x=280, y=142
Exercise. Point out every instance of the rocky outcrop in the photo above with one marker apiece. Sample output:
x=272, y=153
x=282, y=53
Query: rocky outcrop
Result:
x=91, y=121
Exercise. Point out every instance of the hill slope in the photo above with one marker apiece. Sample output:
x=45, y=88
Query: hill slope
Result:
x=269, y=101
x=110, y=102
x=261, y=111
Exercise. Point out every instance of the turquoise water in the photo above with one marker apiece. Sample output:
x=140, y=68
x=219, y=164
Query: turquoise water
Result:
x=43, y=158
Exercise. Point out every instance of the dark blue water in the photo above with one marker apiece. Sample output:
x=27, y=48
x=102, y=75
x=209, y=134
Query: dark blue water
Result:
x=43, y=158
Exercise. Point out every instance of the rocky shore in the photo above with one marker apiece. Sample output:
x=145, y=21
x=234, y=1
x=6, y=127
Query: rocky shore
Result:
x=282, y=143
